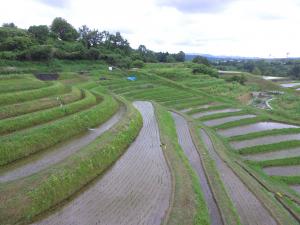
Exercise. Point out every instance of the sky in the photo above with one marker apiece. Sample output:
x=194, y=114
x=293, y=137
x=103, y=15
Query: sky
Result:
x=253, y=28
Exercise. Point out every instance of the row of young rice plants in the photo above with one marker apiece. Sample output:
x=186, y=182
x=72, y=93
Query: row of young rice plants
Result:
x=39, y=104
x=42, y=191
x=29, y=120
x=23, y=143
x=187, y=187
x=14, y=97
x=21, y=85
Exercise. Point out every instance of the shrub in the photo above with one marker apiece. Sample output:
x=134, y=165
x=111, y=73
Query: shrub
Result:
x=201, y=68
x=92, y=54
x=40, y=52
x=138, y=63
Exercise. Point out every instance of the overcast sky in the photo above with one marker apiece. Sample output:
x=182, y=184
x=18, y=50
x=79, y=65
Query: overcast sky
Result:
x=220, y=27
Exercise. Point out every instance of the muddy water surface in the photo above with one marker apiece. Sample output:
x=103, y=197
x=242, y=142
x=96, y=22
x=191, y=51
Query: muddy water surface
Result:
x=265, y=140
x=283, y=170
x=207, y=113
x=136, y=190
x=58, y=152
x=287, y=153
x=252, y=128
x=186, y=143
x=289, y=85
x=250, y=209
x=220, y=121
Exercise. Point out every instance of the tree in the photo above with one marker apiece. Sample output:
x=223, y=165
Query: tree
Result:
x=295, y=71
x=10, y=25
x=180, y=57
x=201, y=60
x=40, y=33
x=63, y=30
x=90, y=38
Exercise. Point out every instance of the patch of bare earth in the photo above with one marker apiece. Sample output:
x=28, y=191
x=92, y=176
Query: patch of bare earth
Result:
x=255, y=127
x=57, y=153
x=136, y=190
x=186, y=143
x=250, y=209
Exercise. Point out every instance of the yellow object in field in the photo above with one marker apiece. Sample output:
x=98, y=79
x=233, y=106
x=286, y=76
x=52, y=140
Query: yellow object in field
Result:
x=279, y=194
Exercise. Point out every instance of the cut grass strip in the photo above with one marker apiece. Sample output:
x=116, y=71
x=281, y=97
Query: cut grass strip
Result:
x=39, y=117
x=187, y=186
x=288, y=179
x=23, y=143
x=279, y=162
x=39, y=104
x=44, y=190
x=265, y=133
x=11, y=98
x=221, y=115
x=269, y=147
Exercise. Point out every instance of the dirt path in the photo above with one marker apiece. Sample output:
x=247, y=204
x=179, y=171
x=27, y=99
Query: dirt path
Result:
x=265, y=140
x=58, y=153
x=250, y=209
x=283, y=170
x=286, y=153
x=220, y=121
x=186, y=143
x=136, y=190
x=255, y=127
x=207, y=113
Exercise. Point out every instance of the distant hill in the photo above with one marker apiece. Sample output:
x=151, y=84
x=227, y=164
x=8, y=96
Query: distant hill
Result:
x=191, y=56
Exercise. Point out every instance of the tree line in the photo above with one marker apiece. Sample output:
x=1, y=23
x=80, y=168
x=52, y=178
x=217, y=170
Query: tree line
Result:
x=61, y=40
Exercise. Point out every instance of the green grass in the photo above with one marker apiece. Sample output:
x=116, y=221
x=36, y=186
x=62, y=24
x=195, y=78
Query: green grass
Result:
x=269, y=147
x=39, y=117
x=15, y=97
x=187, y=186
x=21, y=84
x=23, y=143
x=39, y=104
x=264, y=133
x=279, y=162
x=42, y=191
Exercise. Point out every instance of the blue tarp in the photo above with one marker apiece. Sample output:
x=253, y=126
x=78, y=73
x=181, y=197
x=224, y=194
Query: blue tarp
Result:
x=131, y=78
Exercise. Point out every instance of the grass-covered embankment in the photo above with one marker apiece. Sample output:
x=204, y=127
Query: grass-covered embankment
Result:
x=39, y=104
x=186, y=182
x=39, y=117
x=42, y=191
x=14, y=97
x=24, y=143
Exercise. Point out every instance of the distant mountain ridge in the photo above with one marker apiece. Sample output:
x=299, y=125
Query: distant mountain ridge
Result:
x=191, y=56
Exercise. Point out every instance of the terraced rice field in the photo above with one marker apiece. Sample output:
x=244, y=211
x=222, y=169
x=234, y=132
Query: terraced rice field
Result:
x=208, y=113
x=250, y=209
x=186, y=142
x=136, y=190
x=227, y=119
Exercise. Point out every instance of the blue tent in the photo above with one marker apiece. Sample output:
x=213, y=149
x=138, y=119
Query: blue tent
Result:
x=131, y=78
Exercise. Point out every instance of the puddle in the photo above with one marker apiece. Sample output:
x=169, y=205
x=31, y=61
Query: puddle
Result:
x=283, y=170
x=290, y=85
x=207, y=113
x=287, y=153
x=220, y=121
x=265, y=140
x=273, y=78
x=252, y=128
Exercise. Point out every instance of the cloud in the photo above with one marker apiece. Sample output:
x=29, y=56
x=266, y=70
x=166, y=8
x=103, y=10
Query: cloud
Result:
x=197, y=6
x=56, y=3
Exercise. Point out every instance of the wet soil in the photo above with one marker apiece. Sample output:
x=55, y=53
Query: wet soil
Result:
x=57, y=153
x=252, y=128
x=186, y=143
x=207, y=113
x=220, y=121
x=265, y=140
x=250, y=209
x=296, y=188
x=136, y=190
